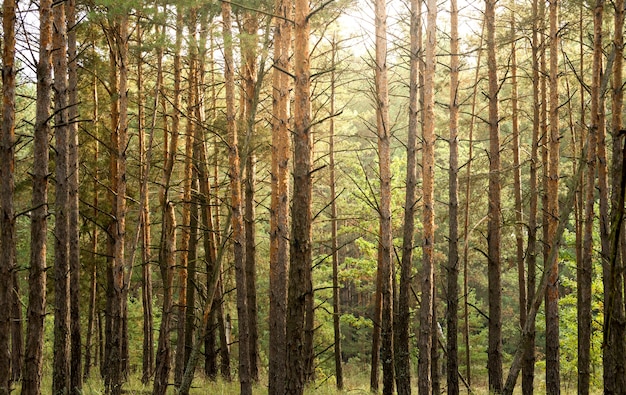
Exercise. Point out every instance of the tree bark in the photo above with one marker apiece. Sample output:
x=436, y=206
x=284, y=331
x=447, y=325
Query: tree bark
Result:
x=494, y=364
x=279, y=218
x=334, y=226
x=146, y=272
x=92, y=320
x=586, y=266
x=76, y=376
x=528, y=365
x=118, y=346
x=33, y=363
x=615, y=325
x=249, y=45
x=168, y=242
x=184, y=240
x=428, y=242
x=300, y=242
x=452, y=294
x=517, y=176
x=250, y=230
x=238, y=236
x=383, y=127
x=61, y=359
x=7, y=189
x=466, y=229
x=583, y=315
x=376, y=330
x=403, y=367
x=553, y=379
x=167, y=263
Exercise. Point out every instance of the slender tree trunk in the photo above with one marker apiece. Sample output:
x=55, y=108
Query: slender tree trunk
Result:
x=61, y=360
x=300, y=242
x=238, y=236
x=586, y=266
x=7, y=188
x=466, y=229
x=614, y=327
x=494, y=364
x=33, y=363
x=279, y=218
x=183, y=248
x=167, y=264
x=210, y=249
x=333, y=224
x=403, y=367
x=146, y=272
x=376, y=330
x=435, y=354
x=528, y=368
x=309, y=328
x=517, y=177
x=583, y=288
x=106, y=368
x=76, y=378
x=452, y=294
x=250, y=229
x=168, y=235
x=250, y=97
x=93, y=284
x=223, y=326
x=428, y=242
x=383, y=127
x=189, y=320
x=612, y=354
x=17, y=332
x=199, y=176
x=211, y=261
x=118, y=351
x=553, y=379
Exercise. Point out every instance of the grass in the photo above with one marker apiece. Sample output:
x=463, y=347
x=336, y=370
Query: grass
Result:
x=356, y=382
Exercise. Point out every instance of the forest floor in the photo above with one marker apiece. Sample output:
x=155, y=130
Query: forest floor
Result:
x=356, y=382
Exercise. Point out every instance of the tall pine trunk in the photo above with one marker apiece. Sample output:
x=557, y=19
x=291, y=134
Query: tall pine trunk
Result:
x=586, y=266
x=466, y=229
x=117, y=354
x=517, y=176
x=279, y=221
x=333, y=224
x=185, y=237
x=168, y=235
x=238, y=236
x=383, y=127
x=452, y=294
x=300, y=242
x=76, y=376
x=494, y=364
x=528, y=368
x=167, y=264
x=614, y=328
x=553, y=378
x=7, y=188
x=90, y=342
x=427, y=275
x=250, y=98
x=402, y=349
x=33, y=363
x=61, y=359
x=250, y=231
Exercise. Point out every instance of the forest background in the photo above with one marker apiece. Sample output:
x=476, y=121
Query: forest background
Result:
x=294, y=194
